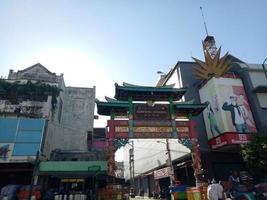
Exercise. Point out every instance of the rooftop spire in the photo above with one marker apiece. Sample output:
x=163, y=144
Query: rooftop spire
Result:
x=209, y=41
x=204, y=21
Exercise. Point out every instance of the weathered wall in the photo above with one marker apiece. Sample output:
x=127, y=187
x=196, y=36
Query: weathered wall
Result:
x=59, y=137
x=27, y=108
x=35, y=72
x=78, y=108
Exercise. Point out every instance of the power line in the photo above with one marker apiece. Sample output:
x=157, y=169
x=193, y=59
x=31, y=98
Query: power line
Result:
x=149, y=156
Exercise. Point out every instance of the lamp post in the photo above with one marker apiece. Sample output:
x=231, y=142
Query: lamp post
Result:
x=169, y=162
x=36, y=163
x=97, y=170
x=263, y=66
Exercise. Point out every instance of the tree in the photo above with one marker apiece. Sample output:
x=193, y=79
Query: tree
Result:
x=255, y=154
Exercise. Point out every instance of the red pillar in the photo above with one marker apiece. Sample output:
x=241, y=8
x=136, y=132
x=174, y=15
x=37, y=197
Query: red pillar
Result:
x=195, y=153
x=111, y=148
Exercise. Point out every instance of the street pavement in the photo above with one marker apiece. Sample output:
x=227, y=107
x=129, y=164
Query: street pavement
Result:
x=143, y=198
x=140, y=198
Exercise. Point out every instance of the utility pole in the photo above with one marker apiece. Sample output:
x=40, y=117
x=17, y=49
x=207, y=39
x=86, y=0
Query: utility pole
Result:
x=172, y=179
x=35, y=169
x=131, y=161
x=131, y=166
x=263, y=67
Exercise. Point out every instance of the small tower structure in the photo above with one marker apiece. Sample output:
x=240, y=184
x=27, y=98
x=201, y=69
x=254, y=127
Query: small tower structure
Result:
x=210, y=45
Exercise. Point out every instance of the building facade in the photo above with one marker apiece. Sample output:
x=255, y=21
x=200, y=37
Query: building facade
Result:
x=219, y=132
x=39, y=113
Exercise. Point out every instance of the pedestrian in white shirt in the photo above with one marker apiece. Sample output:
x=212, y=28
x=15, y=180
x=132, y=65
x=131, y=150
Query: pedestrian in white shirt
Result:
x=215, y=191
x=220, y=190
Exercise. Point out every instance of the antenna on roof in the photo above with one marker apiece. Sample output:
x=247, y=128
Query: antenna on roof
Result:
x=204, y=21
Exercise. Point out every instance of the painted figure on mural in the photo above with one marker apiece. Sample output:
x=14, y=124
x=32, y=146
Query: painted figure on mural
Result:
x=238, y=113
x=212, y=121
x=242, y=102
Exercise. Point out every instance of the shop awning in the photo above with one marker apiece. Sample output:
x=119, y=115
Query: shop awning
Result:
x=72, y=167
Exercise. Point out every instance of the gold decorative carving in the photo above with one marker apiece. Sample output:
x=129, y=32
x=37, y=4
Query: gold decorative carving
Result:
x=213, y=66
x=140, y=129
x=182, y=129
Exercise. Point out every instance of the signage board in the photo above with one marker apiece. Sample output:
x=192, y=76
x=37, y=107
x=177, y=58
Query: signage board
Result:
x=154, y=129
x=162, y=173
x=155, y=112
x=229, y=139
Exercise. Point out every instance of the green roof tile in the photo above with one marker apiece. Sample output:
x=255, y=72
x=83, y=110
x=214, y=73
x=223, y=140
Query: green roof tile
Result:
x=72, y=166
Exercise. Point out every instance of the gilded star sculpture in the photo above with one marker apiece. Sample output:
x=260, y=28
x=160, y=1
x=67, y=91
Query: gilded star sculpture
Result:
x=213, y=66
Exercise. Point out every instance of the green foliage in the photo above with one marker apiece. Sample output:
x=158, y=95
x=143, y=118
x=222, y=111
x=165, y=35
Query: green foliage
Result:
x=255, y=154
x=30, y=91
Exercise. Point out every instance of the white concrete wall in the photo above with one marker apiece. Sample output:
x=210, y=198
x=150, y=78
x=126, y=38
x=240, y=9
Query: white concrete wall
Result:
x=36, y=72
x=59, y=137
x=78, y=108
x=258, y=78
x=77, y=116
x=174, y=79
x=262, y=97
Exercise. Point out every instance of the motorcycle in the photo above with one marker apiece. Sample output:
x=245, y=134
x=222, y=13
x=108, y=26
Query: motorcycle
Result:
x=257, y=192
x=261, y=191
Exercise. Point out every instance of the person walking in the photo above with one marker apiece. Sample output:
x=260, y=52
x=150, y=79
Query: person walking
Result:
x=215, y=191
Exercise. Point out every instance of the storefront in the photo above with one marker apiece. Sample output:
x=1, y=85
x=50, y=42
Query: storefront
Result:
x=72, y=177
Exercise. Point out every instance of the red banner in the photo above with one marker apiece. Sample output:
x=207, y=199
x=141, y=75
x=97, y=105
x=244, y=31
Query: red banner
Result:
x=229, y=139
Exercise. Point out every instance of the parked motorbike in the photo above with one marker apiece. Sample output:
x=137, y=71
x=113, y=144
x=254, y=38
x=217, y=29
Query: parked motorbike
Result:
x=257, y=192
x=261, y=191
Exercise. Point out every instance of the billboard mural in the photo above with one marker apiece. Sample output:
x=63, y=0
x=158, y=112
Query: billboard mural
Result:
x=20, y=138
x=228, y=110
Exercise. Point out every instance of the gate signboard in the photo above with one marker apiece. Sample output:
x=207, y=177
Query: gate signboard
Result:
x=154, y=129
x=155, y=112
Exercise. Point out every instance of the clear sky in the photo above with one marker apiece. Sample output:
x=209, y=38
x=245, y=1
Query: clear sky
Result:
x=100, y=42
